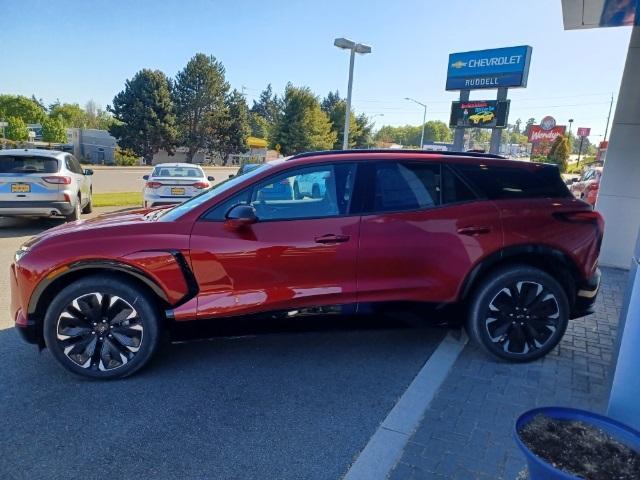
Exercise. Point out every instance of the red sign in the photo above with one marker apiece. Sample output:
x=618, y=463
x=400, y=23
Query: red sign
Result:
x=542, y=139
x=584, y=132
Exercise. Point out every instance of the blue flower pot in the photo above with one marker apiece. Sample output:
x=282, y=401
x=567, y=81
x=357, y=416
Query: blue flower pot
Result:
x=539, y=469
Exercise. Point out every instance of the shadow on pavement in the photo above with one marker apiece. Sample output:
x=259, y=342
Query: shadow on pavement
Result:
x=298, y=404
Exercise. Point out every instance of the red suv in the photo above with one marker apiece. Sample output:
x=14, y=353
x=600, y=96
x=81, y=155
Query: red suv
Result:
x=505, y=239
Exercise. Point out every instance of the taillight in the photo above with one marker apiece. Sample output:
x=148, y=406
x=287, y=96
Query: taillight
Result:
x=201, y=185
x=58, y=179
x=153, y=185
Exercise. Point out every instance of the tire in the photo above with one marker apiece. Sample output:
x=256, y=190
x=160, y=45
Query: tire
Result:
x=75, y=215
x=103, y=327
x=518, y=313
x=88, y=208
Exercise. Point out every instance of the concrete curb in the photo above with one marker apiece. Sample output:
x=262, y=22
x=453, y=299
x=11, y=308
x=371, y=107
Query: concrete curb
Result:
x=385, y=447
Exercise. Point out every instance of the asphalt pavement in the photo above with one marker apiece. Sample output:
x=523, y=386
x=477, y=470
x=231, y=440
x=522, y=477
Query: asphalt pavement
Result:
x=295, y=402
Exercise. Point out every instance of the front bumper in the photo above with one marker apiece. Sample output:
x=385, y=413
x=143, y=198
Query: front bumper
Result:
x=586, y=294
x=34, y=208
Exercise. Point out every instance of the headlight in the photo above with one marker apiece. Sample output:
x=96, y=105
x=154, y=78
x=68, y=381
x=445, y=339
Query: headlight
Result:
x=21, y=253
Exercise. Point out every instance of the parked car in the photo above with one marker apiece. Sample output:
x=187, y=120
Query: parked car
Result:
x=43, y=183
x=312, y=185
x=503, y=239
x=171, y=183
x=247, y=167
x=586, y=188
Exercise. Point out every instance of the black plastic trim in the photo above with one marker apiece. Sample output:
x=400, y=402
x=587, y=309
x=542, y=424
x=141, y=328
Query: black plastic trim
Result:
x=394, y=151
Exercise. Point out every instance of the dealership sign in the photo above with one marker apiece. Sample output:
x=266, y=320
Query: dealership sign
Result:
x=496, y=68
x=479, y=114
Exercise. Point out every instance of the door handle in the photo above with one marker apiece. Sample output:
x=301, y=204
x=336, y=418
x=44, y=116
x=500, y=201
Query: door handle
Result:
x=473, y=230
x=331, y=238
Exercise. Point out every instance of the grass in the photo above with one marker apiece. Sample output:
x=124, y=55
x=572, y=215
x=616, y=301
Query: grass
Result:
x=117, y=199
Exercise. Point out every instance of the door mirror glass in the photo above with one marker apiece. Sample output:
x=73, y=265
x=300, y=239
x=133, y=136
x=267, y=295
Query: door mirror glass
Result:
x=241, y=215
x=210, y=178
x=88, y=171
x=145, y=177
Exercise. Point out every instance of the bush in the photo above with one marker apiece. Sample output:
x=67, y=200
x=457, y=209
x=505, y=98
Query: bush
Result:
x=125, y=157
x=574, y=168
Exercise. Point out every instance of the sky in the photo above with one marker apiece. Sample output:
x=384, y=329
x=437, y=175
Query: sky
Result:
x=81, y=50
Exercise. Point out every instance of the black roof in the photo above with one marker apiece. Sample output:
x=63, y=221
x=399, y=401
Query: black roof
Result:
x=394, y=151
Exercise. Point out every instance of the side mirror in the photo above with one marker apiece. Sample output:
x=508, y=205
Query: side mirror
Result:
x=210, y=178
x=231, y=176
x=145, y=177
x=88, y=171
x=241, y=215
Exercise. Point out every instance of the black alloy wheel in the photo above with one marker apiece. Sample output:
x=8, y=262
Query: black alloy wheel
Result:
x=102, y=326
x=519, y=313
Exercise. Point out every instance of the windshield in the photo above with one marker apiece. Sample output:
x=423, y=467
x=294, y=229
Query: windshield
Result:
x=165, y=171
x=179, y=210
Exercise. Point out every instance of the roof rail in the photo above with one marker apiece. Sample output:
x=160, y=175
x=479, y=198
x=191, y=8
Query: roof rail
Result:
x=392, y=150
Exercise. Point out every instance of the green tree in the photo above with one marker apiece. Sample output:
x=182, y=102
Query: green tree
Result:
x=364, y=133
x=303, y=125
x=53, y=130
x=335, y=108
x=199, y=95
x=559, y=153
x=70, y=113
x=16, y=129
x=144, y=114
x=28, y=110
x=268, y=106
x=436, y=131
x=260, y=127
x=230, y=134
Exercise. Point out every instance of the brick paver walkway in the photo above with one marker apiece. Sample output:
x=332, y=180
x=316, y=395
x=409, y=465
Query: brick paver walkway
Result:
x=466, y=432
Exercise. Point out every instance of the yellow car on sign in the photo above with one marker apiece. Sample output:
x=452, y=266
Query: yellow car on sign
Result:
x=482, y=117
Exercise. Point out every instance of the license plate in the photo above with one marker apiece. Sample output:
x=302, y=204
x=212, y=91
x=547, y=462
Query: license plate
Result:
x=20, y=188
x=177, y=191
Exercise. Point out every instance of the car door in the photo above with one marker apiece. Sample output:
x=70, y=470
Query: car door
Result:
x=300, y=253
x=421, y=232
x=80, y=182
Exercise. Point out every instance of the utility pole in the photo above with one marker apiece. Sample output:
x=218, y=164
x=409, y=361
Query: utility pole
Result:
x=606, y=130
x=579, y=151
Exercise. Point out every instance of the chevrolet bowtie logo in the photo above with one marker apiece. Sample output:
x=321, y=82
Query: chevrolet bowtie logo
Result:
x=459, y=64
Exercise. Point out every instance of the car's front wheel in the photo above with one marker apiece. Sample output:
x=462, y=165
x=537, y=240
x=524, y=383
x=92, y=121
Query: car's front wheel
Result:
x=102, y=327
x=518, y=313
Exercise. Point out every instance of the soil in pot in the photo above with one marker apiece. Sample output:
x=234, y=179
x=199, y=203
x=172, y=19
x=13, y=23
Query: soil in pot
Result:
x=580, y=449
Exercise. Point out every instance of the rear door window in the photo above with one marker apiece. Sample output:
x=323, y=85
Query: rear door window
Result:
x=403, y=186
x=497, y=182
x=25, y=164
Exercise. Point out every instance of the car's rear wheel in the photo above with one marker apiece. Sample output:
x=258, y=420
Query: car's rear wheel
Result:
x=75, y=214
x=518, y=313
x=102, y=327
x=88, y=208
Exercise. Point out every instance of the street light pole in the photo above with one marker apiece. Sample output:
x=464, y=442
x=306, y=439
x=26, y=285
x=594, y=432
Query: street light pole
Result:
x=354, y=48
x=570, y=124
x=347, y=110
x=424, y=118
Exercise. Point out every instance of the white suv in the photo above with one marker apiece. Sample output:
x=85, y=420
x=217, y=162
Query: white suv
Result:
x=43, y=183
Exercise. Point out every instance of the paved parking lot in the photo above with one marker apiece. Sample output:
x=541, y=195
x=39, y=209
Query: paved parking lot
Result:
x=298, y=403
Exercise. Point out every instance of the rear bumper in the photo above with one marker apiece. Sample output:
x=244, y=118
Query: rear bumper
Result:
x=586, y=294
x=35, y=208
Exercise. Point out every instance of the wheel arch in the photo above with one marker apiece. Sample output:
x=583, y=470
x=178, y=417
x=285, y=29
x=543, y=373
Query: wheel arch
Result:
x=49, y=287
x=550, y=260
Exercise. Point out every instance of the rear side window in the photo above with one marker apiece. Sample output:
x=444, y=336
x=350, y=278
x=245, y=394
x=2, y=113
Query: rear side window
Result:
x=20, y=164
x=399, y=187
x=454, y=190
x=511, y=182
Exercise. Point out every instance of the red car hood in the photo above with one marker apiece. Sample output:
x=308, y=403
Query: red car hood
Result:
x=102, y=221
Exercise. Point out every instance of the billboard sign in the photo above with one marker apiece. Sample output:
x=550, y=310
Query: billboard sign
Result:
x=584, y=132
x=479, y=114
x=541, y=138
x=496, y=68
